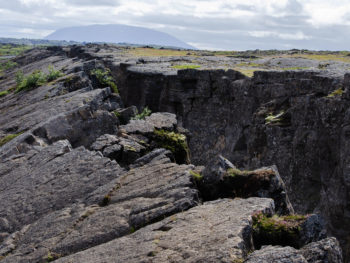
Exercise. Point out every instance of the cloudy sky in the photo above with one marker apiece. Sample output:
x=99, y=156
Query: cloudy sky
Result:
x=205, y=24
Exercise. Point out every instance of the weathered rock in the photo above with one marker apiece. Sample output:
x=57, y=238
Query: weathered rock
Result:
x=155, y=155
x=161, y=120
x=49, y=179
x=224, y=180
x=218, y=231
x=126, y=114
x=274, y=254
x=128, y=202
x=326, y=250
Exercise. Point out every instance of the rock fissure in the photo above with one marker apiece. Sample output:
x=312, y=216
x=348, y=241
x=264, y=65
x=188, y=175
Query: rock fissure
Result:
x=84, y=186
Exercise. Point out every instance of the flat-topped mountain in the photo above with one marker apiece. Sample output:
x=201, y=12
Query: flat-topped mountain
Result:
x=117, y=34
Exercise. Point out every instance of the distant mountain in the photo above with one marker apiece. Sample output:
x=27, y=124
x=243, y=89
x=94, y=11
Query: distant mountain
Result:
x=117, y=34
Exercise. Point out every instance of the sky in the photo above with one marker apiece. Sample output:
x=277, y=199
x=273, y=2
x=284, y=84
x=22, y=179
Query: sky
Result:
x=205, y=24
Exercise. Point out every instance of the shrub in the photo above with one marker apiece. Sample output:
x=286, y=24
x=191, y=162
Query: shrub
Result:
x=105, y=79
x=8, y=65
x=53, y=74
x=141, y=116
x=32, y=81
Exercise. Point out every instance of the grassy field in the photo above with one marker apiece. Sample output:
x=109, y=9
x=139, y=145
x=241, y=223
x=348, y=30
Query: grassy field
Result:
x=154, y=52
x=12, y=50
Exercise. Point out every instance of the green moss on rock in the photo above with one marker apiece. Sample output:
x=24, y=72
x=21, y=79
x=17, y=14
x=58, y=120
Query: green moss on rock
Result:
x=277, y=230
x=196, y=176
x=8, y=138
x=4, y=93
x=174, y=142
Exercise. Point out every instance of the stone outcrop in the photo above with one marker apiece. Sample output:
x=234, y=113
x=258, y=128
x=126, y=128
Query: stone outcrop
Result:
x=84, y=179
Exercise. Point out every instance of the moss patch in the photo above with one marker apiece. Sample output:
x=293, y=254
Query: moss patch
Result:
x=277, y=230
x=196, y=176
x=4, y=93
x=335, y=93
x=175, y=142
x=8, y=138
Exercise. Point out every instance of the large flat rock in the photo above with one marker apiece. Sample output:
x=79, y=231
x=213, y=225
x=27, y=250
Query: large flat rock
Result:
x=218, y=231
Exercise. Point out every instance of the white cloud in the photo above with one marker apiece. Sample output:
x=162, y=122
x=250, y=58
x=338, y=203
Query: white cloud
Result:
x=288, y=36
x=220, y=24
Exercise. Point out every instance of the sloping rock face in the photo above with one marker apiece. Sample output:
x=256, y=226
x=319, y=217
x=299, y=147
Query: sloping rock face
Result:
x=83, y=180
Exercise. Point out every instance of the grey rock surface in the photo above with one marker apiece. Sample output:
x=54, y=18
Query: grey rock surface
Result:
x=324, y=251
x=218, y=231
x=275, y=254
x=161, y=120
x=130, y=200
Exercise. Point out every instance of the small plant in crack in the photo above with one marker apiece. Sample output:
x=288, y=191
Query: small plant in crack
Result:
x=105, y=79
x=270, y=119
x=141, y=116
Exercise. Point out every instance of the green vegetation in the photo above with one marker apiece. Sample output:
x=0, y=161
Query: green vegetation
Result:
x=12, y=50
x=337, y=92
x=132, y=230
x=8, y=138
x=52, y=257
x=105, y=79
x=248, y=64
x=233, y=172
x=196, y=176
x=188, y=66
x=282, y=230
x=32, y=81
x=116, y=113
x=175, y=142
x=141, y=116
x=53, y=74
x=274, y=118
x=35, y=79
x=4, y=93
x=156, y=52
x=7, y=65
x=295, y=68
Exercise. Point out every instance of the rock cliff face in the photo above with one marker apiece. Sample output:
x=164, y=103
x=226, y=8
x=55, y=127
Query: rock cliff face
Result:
x=82, y=182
